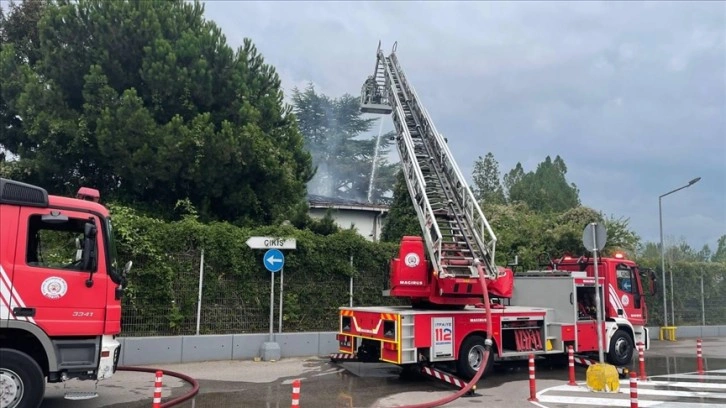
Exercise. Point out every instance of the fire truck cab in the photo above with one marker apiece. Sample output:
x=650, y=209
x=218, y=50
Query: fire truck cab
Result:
x=60, y=292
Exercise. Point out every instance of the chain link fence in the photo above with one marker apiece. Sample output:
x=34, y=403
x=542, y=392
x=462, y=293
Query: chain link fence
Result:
x=230, y=305
x=695, y=295
x=307, y=305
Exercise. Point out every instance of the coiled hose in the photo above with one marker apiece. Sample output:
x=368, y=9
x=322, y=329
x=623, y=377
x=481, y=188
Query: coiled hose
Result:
x=174, y=401
x=487, y=351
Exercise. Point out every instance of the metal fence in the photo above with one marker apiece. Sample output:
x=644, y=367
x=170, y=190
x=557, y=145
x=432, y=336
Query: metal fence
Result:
x=698, y=299
x=306, y=305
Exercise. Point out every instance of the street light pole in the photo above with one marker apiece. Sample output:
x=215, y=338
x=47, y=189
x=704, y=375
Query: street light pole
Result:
x=662, y=254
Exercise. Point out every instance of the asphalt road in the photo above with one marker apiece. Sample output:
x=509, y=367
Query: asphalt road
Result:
x=268, y=384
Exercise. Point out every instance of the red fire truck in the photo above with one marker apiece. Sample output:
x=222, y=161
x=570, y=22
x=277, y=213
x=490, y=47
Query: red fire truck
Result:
x=60, y=292
x=539, y=312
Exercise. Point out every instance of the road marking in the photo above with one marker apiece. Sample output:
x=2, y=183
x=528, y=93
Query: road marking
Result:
x=709, y=393
x=646, y=391
x=593, y=401
x=692, y=376
x=626, y=383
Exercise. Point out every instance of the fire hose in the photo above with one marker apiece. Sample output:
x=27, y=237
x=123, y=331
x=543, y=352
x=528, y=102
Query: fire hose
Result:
x=487, y=351
x=174, y=401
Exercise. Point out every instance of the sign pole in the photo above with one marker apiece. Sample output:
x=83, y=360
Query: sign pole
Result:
x=272, y=301
x=273, y=260
x=279, y=325
x=597, y=302
x=593, y=239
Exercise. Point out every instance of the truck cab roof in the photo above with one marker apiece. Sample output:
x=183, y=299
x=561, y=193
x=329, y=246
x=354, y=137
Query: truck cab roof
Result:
x=22, y=194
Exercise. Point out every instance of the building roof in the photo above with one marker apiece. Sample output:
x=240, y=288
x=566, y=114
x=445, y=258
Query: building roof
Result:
x=319, y=201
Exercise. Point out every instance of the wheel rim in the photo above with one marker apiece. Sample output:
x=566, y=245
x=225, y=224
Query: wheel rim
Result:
x=621, y=348
x=476, y=355
x=11, y=388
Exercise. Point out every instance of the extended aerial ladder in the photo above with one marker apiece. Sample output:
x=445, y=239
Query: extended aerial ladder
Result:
x=458, y=238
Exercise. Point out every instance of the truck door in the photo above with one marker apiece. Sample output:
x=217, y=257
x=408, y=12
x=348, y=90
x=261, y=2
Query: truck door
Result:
x=628, y=296
x=53, y=270
x=8, y=233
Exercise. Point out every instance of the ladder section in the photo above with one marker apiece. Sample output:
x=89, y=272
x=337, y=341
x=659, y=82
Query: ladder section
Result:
x=408, y=348
x=458, y=235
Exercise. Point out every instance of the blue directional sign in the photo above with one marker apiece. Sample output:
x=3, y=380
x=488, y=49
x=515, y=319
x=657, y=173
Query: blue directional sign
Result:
x=273, y=260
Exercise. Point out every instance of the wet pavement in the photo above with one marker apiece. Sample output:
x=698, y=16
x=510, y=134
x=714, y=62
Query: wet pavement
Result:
x=324, y=384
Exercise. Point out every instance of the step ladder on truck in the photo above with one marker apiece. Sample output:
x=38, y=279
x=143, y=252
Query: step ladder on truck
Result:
x=538, y=312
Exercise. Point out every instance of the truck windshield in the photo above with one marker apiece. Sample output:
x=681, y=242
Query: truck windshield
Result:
x=112, y=256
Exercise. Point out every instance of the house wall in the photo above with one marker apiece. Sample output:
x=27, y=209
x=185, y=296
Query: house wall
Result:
x=367, y=223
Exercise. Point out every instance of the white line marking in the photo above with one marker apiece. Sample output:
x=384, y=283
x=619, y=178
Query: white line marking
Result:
x=626, y=383
x=645, y=391
x=594, y=402
x=692, y=376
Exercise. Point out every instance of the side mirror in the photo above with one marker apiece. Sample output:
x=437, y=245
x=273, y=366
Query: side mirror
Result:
x=651, y=279
x=89, y=241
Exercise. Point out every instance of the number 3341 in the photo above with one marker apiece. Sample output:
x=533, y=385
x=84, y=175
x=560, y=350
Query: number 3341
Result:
x=82, y=314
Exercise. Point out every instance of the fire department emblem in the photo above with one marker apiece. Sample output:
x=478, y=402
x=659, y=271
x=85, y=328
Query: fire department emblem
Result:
x=411, y=260
x=625, y=300
x=54, y=287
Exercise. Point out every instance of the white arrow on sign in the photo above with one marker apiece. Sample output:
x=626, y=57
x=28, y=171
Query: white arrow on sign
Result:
x=272, y=260
x=271, y=242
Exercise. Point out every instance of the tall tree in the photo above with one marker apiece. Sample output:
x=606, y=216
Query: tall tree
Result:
x=402, y=219
x=546, y=189
x=720, y=254
x=512, y=178
x=487, y=185
x=332, y=128
x=147, y=101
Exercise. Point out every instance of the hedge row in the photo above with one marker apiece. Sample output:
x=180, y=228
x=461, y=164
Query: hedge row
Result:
x=161, y=296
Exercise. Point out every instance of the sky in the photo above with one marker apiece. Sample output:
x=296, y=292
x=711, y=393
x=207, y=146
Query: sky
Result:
x=631, y=95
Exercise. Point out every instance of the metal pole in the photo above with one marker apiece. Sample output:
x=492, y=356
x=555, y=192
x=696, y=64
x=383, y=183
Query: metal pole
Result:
x=662, y=254
x=597, y=300
x=279, y=324
x=662, y=263
x=673, y=309
x=199, y=297
x=350, y=290
x=272, y=301
x=703, y=304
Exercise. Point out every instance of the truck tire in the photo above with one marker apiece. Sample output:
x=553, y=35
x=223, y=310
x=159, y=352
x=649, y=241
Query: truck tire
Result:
x=470, y=358
x=621, y=349
x=23, y=378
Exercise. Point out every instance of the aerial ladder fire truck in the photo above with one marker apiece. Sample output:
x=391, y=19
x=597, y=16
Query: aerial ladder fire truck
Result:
x=450, y=276
x=60, y=293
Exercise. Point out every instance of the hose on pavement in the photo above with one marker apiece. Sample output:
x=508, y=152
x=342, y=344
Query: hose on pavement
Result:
x=174, y=401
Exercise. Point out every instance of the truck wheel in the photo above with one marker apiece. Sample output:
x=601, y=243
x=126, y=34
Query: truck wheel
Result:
x=21, y=380
x=621, y=349
x=470, y=358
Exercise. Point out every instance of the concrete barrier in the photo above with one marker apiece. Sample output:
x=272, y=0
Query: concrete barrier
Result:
x=691, y=331
x=186, y=349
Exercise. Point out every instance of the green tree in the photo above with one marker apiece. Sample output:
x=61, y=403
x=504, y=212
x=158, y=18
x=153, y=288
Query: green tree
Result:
x=546, y=189
x=332, y=128
x=487, y=186
x=147, y=101
x=720, y=254
x=402, y=219
x=513, y=178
